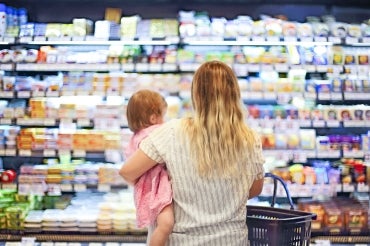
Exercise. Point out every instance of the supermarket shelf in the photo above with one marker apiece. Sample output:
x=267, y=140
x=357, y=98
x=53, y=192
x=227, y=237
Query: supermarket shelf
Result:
x=78, y=237
x=342, y=239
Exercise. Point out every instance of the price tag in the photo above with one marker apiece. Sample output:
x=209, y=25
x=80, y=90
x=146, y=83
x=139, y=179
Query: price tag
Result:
x=273, y=39
x=25, y=152
x=267, y=68
x=332, y=123
x=255, y=95
x=64, y=152
x=324, y=96
x=320, y=39
x=335, y=40
x=354, y=123
x=306, y=39
x=336, y=96
x=321, y=68
x=49, y=122
x=128, y=67
x=82, y=93
x=28, y=241
x=10, y=152
x=79, y=153
x=24, y=189
x=310, y=68
x=104, y=187
x=318, y=123
x=169, y=67
x=68, y=93
x=258, y=39
x=290, y=39
x=5, y=121
x=281, y=67
x=253, y=68
x=24, y=94
x=353, y=154
x=309, y=95
x=348, y=188
x=66, y=187
x=361, y=187
x=2, y=152
x=269, y=95
x=98, y=93
x=7, y=94
x=83, y=122
x=155, y=67
x=10, y=186
x=142, y=67
x=49, y=153
x=351, y=40
x=79, y=187
x=52, y=93
x=38, y=94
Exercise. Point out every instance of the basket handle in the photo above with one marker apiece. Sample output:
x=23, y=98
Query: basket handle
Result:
x=277, y=178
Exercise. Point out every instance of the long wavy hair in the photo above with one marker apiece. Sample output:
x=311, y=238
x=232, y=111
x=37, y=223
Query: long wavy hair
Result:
x=220, y=140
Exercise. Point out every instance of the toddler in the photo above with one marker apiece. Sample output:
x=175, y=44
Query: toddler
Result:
x=152, y=192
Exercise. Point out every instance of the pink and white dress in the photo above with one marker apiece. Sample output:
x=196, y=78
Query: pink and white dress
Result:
x=152, y=191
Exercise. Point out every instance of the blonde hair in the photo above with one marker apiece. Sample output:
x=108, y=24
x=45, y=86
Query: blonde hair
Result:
x=141, y=106
x=219, y=138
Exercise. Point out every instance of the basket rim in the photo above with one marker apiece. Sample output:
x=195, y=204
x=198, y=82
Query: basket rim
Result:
x=294, y=214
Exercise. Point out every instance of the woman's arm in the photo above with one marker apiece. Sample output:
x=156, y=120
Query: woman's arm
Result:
x=256, y=188
x=136, y=166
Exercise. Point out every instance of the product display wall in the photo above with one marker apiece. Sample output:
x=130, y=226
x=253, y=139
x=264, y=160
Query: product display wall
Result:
x=65, y=84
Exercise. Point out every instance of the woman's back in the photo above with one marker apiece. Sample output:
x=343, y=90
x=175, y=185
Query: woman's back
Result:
x=208, y=211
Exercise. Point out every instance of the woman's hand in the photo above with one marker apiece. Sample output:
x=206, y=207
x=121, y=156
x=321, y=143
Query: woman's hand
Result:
x=136, y=166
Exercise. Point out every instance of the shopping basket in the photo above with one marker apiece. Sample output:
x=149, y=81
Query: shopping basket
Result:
x=269, y=226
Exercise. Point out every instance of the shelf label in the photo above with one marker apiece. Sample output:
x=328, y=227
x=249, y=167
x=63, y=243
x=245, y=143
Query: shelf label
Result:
x=142, y=67
x=66, y=187
x=353, y=123
x=83, y=122
x=79, y=153
x=6, y=94
x=328, y=154
x=258, y=39
x=38, y=93
x=24, y=94
x=155, y=67
x=353, y=154
x=104, y=187
x=10, y=186
x=49, y=153
x=25, y=152
x=49, y=122
x=351, y=40
x=253, y=68
x=336, y=96
x=5, y=121
x=79, y=187
x=128, y=67
x=169, y=67
x=281, y=67
x=324, y=96
x=290, y=39
x=335, y=40
x=2, y=152
x=318, y=123
x=306, y=39
x=332, y=123
x=320, y=39
x=348, y=188
x=64, y=152
x=361, y=187
x=98, y=93
x=267, y=68
x=52, y=93
x=269, y=95
x=68, y=93
x=10, y=152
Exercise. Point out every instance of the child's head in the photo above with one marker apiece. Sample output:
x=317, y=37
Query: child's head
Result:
x=145, y=108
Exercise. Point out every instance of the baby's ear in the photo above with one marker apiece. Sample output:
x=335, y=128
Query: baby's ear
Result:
x=153, y=119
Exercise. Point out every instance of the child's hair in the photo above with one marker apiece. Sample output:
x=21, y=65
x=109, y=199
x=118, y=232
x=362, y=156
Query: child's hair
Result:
x=141, y=106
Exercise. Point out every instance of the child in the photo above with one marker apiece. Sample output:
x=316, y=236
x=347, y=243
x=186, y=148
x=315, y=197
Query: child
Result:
x=152, y=191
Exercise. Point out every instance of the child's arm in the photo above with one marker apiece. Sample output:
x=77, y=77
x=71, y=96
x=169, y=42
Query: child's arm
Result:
x=136, y=166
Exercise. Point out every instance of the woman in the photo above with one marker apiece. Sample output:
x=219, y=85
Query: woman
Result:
x=214, y=161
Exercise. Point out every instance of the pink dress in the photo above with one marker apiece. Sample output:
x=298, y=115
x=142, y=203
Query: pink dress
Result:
x=152, y=191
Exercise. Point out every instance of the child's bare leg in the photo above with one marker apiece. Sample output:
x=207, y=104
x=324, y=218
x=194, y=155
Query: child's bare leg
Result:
x=165, y=221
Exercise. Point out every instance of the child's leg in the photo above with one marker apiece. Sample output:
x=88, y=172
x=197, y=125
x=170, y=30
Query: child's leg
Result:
x=165, y=222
